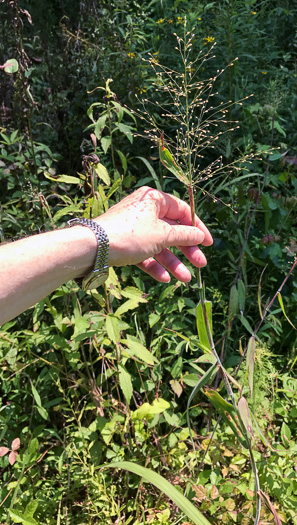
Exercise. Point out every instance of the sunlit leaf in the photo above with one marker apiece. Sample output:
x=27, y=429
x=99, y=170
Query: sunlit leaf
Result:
x=139, y=351
x=168, y=161
x=201, y=328
x=147, y=411
x=125, y=382
x=113, y=328
x=102, y=173
x=245, y=415
x=228, y=413
x=167, y=488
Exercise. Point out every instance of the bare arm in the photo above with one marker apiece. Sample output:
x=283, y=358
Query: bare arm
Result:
x=140, y=229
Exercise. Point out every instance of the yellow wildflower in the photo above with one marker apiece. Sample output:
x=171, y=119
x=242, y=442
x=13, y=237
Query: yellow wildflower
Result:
x=161, y=21
x=142, y=90
x=170, y=21
x=264, y=72
x=199, y=18
x=131, y=55
x=208, y=39
x=254, y=12
x=180, y=20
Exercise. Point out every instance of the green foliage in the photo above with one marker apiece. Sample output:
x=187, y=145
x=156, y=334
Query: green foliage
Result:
x=108, y=376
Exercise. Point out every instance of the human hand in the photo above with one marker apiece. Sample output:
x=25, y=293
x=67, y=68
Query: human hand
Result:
x=145, y=224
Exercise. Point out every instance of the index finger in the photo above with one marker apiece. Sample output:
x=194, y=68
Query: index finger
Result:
x=170, y=207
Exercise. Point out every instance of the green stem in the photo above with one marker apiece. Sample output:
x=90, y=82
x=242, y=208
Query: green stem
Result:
x=202, y=300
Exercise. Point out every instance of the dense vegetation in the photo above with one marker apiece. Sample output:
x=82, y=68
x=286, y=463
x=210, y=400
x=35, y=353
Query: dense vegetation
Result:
x=92, y=379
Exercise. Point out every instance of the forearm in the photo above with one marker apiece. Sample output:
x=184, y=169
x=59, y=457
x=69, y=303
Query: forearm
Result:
x=33, y=267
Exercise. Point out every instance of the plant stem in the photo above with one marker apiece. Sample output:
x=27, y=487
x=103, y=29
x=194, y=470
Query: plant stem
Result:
x=202, y=300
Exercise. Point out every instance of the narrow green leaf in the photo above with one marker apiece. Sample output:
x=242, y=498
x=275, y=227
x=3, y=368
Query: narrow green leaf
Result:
x=228, y=413
x=125, y=383
x=139, y=351
x=112, y=327
x=241, y=295
x=233, y=301
x=206, y=378
x=246, y=324
x=168, y=161
x=162, y=484
x=123, y=160
x=250, y=363
x=114, y=187
x=36, y=396
x=244, y=412
x=201, y=328
x=152, y=172
x=42, y=412
x=280, y=300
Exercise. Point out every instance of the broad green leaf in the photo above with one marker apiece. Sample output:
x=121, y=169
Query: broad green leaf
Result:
x=112, y=327
x=105, y=143
x=286, y=435
x=147, y=411
x=280, y=300
x=18, y=518
x=244, y=412
x=30, y=509
x=168, y=161
x=11, y=66
x=126, y=130
x=228, y=413
x=139, y=351
x=201, y=328
x=102, y=173
x=134, y=293
x=176, y=387
x=68, y=179
x=100, y=125
x=164, y=486
x=125, y=383
x=250, y=363
x=177, y=367
x=131, y=304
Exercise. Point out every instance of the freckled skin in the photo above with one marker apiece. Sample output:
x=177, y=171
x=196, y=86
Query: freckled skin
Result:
x=145, y=224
